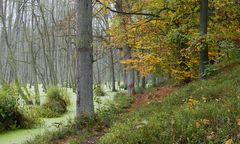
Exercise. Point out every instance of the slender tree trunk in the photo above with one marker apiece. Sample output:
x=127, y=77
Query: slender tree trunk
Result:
x=84, y=58
x=204, y=60
x=124, y=77
x=138, y=79
x=112, y=69
x=143, y=85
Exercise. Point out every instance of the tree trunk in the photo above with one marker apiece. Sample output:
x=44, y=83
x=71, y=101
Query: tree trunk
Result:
x=84, y=59
x=203, y=31
x=130, y=73
x=143, y=84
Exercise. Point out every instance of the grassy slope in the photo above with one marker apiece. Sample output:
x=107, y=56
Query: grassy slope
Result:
x=201, y=112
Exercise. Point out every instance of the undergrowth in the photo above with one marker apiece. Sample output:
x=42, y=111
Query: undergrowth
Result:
x=98, y=90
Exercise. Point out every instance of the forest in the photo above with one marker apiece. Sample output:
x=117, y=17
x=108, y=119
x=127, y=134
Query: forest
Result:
x=119, y=71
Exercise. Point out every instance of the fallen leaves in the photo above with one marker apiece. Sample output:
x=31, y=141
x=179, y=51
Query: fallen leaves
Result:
x=211, y=135
x=229, y=141
x=204, y=122
x=238, y=122
x=197, y=124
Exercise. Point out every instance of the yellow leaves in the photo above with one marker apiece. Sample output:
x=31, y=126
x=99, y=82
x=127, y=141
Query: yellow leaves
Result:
x=142, y=62
x=181, y=75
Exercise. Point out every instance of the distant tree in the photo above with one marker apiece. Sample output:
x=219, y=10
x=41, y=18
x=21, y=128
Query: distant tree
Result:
x=204, y=60
x=126, y=48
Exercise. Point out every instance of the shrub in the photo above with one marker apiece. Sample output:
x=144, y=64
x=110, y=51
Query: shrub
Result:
x=122, y=100
x=98, y=90
x=56, y=103
x=13, y=113
x=120, y=103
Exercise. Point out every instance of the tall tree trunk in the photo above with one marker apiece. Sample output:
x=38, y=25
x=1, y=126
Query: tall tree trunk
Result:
x=84, y=58
x=204, y=60
x=111, y=57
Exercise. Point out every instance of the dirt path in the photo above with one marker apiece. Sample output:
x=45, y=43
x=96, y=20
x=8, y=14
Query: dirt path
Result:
x=148, y=97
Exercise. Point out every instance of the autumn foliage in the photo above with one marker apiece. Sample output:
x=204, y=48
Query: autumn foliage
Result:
x=169, y=41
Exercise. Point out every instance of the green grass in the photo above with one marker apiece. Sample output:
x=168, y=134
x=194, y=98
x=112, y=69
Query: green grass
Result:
x=200, y=112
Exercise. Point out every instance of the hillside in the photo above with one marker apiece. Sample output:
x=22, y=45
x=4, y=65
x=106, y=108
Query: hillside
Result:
x=200, y=112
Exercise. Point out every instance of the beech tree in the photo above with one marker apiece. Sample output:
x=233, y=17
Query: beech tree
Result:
x=84, y=58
